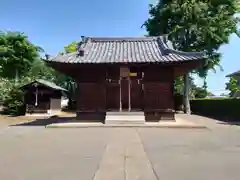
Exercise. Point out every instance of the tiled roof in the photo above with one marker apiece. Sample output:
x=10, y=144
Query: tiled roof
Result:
x=127, y=50
x=237, y=73
x=47, y=84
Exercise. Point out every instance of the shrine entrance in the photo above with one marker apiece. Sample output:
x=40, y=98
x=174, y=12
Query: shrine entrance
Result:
x=125, y=92
x=131, y=90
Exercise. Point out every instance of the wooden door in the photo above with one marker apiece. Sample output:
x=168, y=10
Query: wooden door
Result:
x=136, y=95
x=113, y=95
x=125, y=94
x=113, y=88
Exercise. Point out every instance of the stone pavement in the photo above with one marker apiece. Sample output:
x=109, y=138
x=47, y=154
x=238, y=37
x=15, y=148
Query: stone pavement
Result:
x=180, y=122
x=136, y=153
x=125, y=158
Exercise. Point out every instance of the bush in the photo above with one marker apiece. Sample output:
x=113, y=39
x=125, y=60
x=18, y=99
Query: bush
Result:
x=224, y=108
x=14, y=102
x=178, y=102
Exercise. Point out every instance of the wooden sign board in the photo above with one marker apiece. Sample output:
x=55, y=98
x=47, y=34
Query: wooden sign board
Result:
x=133, y=74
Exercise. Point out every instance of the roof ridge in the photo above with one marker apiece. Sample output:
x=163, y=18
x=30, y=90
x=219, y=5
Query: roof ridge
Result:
x=233, y=74
x=122, y=39
x=168, y=50
x=128, y=50
x=45, y=82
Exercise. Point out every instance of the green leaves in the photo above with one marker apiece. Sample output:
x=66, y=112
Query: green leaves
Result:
x=14, y=102
x=20, y=58
x=195, y=25
x=233, y=86
x=16, y=54
x=71, y=47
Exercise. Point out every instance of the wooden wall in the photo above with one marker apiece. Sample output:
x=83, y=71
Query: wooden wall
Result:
x=112, y=88
x=91, y=91
x=158, y=88
x=96, y=82
x=98, y=89
x=43, y=99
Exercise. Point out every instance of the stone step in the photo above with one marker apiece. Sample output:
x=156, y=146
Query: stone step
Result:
x=125, y=118
x=123, y=122
x=117, y=113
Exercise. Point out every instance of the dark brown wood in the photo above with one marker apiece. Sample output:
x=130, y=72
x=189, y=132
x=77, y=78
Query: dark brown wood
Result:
x=158, y=74
x=112, y=73
x=157, y=96
x=85, y=116
x=113, y=95
x=136, y=94
x=44, y=96
x=181, y=69
x=151, y=89
x=125, y=94
x=91, y=97
x=92, y=74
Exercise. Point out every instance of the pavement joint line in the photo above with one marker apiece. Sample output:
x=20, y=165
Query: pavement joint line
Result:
x=99, y=164
x=151, y=164
x=125, y=164
x=127, y=126
x=106, y=170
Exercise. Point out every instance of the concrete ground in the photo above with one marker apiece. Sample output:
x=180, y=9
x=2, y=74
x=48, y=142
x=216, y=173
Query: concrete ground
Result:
x=35, y=152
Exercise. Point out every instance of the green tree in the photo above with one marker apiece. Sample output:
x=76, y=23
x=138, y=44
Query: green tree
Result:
x=17, y=54
x=179, y=86
x=14, y=102
x=232, y=86
x=195, y=25
x=72, y=47
x=40, y=70
x=67, y=82
x=200, y=92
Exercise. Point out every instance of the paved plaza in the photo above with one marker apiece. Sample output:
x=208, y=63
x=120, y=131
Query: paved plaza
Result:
x=36, y=152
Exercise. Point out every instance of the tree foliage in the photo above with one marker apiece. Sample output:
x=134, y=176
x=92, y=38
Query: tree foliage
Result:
x=69, y=83
x=195, y=25
x=11, y=97
x=200, y=92
x=14, y=102
x=72, y=47
x=17, y=54
x=232, y=86
x=179, y=86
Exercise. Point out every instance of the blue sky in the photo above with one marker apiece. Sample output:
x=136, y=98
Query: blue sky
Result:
x=53, y=24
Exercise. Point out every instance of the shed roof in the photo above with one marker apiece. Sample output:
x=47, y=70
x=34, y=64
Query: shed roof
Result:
x=237, y=73
x=46, y=84
x=127, y=50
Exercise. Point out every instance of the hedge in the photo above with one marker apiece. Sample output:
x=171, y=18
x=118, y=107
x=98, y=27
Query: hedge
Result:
x=224, y=108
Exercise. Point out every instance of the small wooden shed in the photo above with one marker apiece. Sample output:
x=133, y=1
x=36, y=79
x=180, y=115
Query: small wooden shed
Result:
x=42, y=97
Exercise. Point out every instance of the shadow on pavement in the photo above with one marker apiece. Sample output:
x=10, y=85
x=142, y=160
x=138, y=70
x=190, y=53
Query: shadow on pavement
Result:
x=224, y=120
x=230, y=123
x=47, y=121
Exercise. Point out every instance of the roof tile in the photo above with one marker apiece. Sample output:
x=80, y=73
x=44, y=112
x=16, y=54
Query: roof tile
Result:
x=127, y=50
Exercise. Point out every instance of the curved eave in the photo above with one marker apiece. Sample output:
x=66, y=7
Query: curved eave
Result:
x=168, y=59
x=234, y=74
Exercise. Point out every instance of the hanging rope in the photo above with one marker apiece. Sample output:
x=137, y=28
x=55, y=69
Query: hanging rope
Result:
x=36, y=95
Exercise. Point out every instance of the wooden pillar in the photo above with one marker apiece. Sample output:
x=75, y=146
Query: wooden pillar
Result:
x=186, y=102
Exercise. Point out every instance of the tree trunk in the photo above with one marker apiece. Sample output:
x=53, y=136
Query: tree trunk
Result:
x=186, y=103
x=16, y=76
